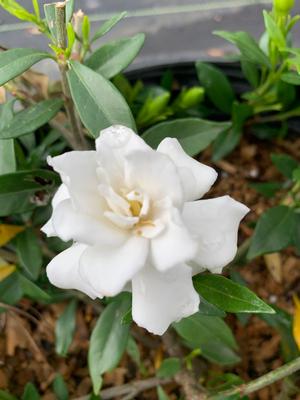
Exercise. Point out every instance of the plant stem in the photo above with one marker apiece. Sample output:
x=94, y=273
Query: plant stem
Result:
x=78, y=141
x=263, y=381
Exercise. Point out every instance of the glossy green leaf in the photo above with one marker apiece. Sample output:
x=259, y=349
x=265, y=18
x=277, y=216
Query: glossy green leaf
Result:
x=60, y=388
x=22, y=191
x=273, y=232
x=154, y=109
x=31, y=290
x=108, y=25
x=18, y=11
x=228, y=295
x=65, y=328
x=247, y=45
x=98, y=102
x=211, y=334
x=10, y=289
x=30, y=392
x=7, y=147
x=285, y=164
x=207, y=308
x=251, y=72
x=291, y=77
x=274, y=32
x=113, y=57
x=16, y=61
x=31, y=118
x=29, y=252
x=108, y=340
x=70, y=5
x=267, y=189
x=230, y=138
x=194, y=134
x=169, y=367
x=217, y=86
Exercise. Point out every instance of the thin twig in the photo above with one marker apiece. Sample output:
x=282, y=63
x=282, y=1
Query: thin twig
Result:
x=263, y=381
x=191, y=388
x=131, y=389
x=78, y=141
x=17, y=310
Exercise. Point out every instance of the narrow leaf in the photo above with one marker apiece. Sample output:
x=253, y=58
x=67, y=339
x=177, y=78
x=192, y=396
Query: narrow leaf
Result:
x=194, y=134
x=16, y=61
x=31, y=118
x=29, y=252
x=108, y=25
x=228, y=295
x=98, y=102
x=65, y=328
x=113, y=57
x=217, y=86
x=273, y=232
x=108, y=340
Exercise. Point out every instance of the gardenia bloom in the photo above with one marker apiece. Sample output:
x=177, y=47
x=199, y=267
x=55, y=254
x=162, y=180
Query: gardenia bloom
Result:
x=136, y=222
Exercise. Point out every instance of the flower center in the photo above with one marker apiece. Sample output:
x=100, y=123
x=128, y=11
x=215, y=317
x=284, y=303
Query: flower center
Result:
x=135, y=207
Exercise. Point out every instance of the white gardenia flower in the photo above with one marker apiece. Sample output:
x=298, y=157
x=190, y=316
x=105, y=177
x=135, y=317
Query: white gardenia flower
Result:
x=137, y=224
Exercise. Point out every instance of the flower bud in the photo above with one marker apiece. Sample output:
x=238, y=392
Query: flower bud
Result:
x=283, y=6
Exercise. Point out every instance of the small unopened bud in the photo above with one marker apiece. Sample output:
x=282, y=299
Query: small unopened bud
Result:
x=283, y=6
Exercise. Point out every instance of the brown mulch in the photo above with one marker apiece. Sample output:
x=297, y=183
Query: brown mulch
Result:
x=27, y=349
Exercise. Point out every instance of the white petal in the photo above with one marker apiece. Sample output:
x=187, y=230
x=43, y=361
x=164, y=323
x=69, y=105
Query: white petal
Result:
x=78, y=170
x=214, y=223
x=160, y=298
x=196, y=177
x=113, y=145
x=174, y=245
x=120, y=139
x=109, y=268
x=155, y=174
x=62, y=271
x=61, y=194
x=69, y=224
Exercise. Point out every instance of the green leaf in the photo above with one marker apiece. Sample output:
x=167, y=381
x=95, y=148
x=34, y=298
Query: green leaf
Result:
x=161, y=394
x=189, y=98
x=7, y=147
x=194, y=134
x=207, y=308
x=86, y=28
x=285, y=164
x=18, y=11
x=267, y=189
x=169, y=367
x=291, y=77
x=251, y=72
x=107, y=25
x=22, y=191
x=65, y=328
x=274, y=32
x=49, y=10
x=133, y=351
x=247, y=46
x=31, y=118
x=98, y=102
x=108, y=340
x=16, y=61
x=113, y=57
x=36, y=7
x=70, y=5
x=211, y=334
x=4, y=395
x=29, y=252
x=273, y=232
x=31, y=290
x=229, y=296
x=154, y=109
x=217, y=86
x=30, y=392
x=60, y=388
x=230, y=138
x=10, y=289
